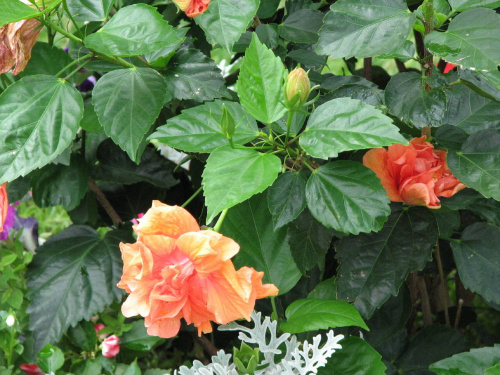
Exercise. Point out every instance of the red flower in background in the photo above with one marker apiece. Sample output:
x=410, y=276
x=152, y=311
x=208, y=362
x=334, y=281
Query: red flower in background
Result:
x=415, y=174
x=192, y=8
x=4, y=205
x=31, y=369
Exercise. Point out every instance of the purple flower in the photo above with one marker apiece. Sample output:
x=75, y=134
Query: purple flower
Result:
x=9, y=222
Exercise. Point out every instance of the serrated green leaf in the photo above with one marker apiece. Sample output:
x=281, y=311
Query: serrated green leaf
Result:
x=192, y=75
x=260, y=83
x=361, y=29
x=268, y=34
x=286, y=198
x=83, y=335
x=137, y=338
x=486, y=209
x=15, y=10
x=262, y=247
x=73, y=276
x=313, y=314
x=198, y=129
x=357, y=357
x=86, y=366
x=477, y=259
x=267, y=8
x=231, y=176
x=134, y=30
x=450, y=137
x=472, y=40
x=57, y=184
x=133, y=369
x=346, y=124
x=309, y=241
x=373, y=266
x=115, y=166
x=90, y=10
x=39, y=118
x=127, y=102
x=347, y=197
x=225, y=20
x=326, y=289
x=404, y=52
x=474, y=362
x=476, y=164
x=480, y=83
x=407, y=99
x=46, y=59
x=50, y=359
x=302, y=26
x=160, y=58
x=463, y=5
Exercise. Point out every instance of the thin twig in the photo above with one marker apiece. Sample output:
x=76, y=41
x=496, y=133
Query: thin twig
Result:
x=206, y=344
x=444, y=289
x=459, y=312
x=368, y=68
x=424, y=301
x=117, y=221
x=401, y=66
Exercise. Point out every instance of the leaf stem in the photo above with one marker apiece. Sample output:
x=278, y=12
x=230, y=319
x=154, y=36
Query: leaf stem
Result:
x=65, y=7
x=192, y=197
x=74, y=62
x=288, y=126
x=275, y=310
x=444, y=290
x=60, y=30
x=117, y=221
x=222, y=216
x=71, y=74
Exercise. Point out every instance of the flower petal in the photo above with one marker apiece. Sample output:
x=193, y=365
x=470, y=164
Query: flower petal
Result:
x=376, y=160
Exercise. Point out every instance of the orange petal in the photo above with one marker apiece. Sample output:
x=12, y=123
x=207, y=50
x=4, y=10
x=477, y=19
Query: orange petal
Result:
x=225, y=246
x=197, y=7
x=4, y=203
x=376, y=160
x=196, y=246
x=138, y=302
x=132, y=264
x=165, y=328
x=162, y=219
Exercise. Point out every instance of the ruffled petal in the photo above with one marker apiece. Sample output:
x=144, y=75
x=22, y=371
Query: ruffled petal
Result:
x=197, y=7
x=138, y=302
x=166, y=328
x=4, y=205
x=376, y=160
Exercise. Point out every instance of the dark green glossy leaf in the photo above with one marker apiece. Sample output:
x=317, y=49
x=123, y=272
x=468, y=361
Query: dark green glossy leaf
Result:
x=225, y=20
x=198, y=129
x=90, y=121
x=60, y=184
x=261, y=246
x=73, y=276
x=450, y=137
x=39, y=118
x=367, y=95
x=302, y=26
x=137, y=338
x=231, y=176
x=447, y=221
x=268, y=34
x=309, y=241
x=357, y=357
x=363, y=29
x=476, y=164
x=86, y=366
x=477, y=259
x=472, y=40
x=487, y=209
x=325, y=290
x=463, y=5
x=287, y=198
x=83, y=335
x=127, y=102
x=115, y=166
x=192, y=75
x=404, y=52
x=313, y=314
x=373, y=266
x=17, y=189
x=407, y=99
x=46, y=59
x=133, y=369
x=480, y=83
x=267, y=8
x=50, y=359
x=347, y=197
x=90, y=10
x=120, y=37
x=86, y=212
x=260, y=83
x=474, y=362
x=346, y=124
x=160, y=58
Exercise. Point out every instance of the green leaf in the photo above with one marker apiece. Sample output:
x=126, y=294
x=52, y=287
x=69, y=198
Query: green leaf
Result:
x=373, y=266
x=463, y=5
x=39, y=118
x=15, y=10
x=137, y=338
x=476, y=164
x=486, y=209
x=302, y=26
x=127, y=102
x=115, y=166
x=86, y=366
x=346, y=124
x=470, y=111
x=60, y=184
x=268, y=34
x=90, y=10
x=361, y=29
x=404, y=52
x=198, y=129
x=231, y=176
x=447, y=220
x=192, y=75
x=347, y=197
x=50, y=359
x=450, y=137
x=495, y=370
x=83, y=335
x=313, y=314
x=325, y=290
x=309, y=241
x=147, y=33
x=225, y=20
x=160, y=58
x=90, y=121
x=477, y=260
x=357, y=357
x=287, y=198
x=480, y=83
x=474, y=362
x=133, y=369
x=261, y=247
x=260, y=83
x=407, y=99
x=46, y=59
x=73, y=276
x=267, y=8
x=472, y=40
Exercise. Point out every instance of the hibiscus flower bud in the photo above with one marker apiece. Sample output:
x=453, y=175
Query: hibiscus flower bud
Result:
x=31, y=369
x=227, y=123
x=4, y=202
x=110, y=347
x=297, y=87
x=192, y=8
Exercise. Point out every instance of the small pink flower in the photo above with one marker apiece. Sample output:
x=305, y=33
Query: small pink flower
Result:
x=110, y=347
x=98, y=327
x=31, y=369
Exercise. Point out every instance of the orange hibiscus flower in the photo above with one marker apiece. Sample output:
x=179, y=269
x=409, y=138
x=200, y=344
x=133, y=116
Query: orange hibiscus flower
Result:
x=4, y=205
x=415, y=174
x=175, y=270
x=192, y=8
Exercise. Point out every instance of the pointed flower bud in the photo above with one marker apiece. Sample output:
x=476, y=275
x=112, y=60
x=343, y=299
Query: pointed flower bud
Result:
x=192, y=8
x=297, y=87
x=227, y=123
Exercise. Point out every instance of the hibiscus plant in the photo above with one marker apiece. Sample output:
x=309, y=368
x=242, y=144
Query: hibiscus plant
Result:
x=250, y=187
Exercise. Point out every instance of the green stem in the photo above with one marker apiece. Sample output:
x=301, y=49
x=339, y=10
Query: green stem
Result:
x=60, y=30
x=74, y=63
x=288, y=125
x=306, y=163
x=65, y=7
x=275, y=310
x=220, y=220
x=192, y=197
x=76, y=70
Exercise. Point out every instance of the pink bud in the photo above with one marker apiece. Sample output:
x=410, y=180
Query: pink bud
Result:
x=31, y=369
x=98, y=327
x=110, y=347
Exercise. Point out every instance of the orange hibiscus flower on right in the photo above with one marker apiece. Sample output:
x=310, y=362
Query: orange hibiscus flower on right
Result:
x=415, y=174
